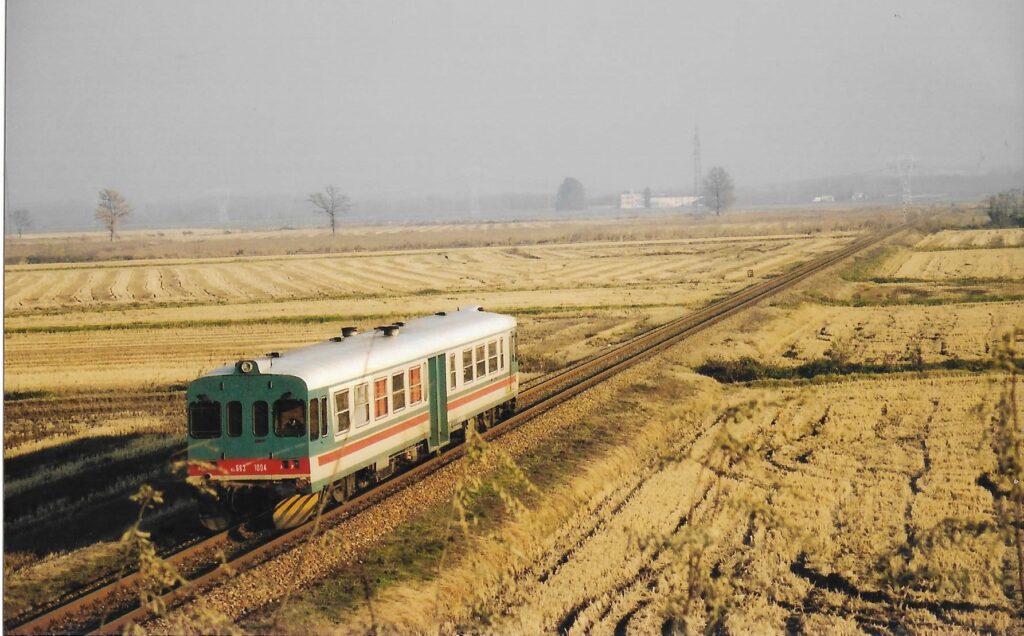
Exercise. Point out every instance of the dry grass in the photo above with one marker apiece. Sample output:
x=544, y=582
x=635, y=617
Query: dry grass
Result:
x=864, y=470
x=970, y=264
x=972, y=239
x=589, y=551
x=612, y=290
x=195, y=244
x=783, y=336
x=40, y=288
x=841, y=506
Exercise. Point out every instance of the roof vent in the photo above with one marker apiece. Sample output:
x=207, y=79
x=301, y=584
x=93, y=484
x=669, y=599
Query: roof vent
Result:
x=337, y=339
x=274, y=354
x=347, y=332
x=440, y=313
x=398, y=323
x=388, y=330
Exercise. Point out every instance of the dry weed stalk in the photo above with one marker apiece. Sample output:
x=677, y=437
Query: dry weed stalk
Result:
x=486, y=469
x=157, y=575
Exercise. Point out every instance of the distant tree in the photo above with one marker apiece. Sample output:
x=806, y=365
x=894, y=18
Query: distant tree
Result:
x=19, y=220
x=647, y=198
x=332, y=202
x=571, y=195
x=1006, y=208
x=718, y=190
x=112, y=210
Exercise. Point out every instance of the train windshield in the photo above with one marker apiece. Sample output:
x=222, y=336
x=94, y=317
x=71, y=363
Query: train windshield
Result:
x=289, y=418
x=204, y=419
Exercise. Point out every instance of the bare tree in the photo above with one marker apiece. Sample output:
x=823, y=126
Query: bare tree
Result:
x=111, y=210
x=718, y=190
x=332, y=202
x=19, y=220
x=647, y=198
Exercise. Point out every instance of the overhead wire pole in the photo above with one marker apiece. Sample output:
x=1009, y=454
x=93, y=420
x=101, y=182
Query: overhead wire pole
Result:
x=904, y=166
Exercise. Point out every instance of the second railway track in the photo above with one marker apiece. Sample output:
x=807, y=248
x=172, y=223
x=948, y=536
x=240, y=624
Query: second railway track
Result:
x=87, y=613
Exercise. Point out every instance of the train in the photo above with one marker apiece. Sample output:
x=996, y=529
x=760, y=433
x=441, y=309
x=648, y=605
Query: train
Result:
x=290, y=431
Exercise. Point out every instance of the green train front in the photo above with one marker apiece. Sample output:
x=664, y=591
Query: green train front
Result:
x=248, y=443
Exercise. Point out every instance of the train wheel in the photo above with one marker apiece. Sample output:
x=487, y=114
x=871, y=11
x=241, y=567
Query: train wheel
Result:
x=213, y=515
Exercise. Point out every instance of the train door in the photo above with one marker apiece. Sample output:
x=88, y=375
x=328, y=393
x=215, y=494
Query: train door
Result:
x=437, y=394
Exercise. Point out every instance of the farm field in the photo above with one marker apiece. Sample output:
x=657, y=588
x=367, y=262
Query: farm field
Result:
x=850, y=504
x=93, y=362
x=815, y=504
x=84, y=322
x=798, y=509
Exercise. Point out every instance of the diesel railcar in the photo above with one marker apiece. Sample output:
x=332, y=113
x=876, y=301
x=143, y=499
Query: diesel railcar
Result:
x=283, y=431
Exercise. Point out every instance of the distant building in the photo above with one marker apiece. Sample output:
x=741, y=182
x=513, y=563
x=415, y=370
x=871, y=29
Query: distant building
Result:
x=634, y=200
x=857, y=196
x=824, y=198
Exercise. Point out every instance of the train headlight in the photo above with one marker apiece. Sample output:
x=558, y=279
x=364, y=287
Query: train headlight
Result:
x=247, y=366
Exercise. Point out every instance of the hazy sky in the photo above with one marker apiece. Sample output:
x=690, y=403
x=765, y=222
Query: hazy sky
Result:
x=178, y=99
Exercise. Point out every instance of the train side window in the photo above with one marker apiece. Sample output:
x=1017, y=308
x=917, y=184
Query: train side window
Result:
x=234, y=418
x=380, y=398
x=467, y=365
x=341, y=412
x=289, y=418
x=452, y=371
x=260, y=419
x=481, y=362
x=398, y=391
x=501, y=353
x=204, y=419
x=361, y=408
x=324, y=417
x=415, y=385
x=314, y=419
x=492, y=356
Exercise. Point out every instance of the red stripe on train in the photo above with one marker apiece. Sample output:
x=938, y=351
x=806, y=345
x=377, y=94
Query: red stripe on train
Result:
x=405, y=425
x=261, y=467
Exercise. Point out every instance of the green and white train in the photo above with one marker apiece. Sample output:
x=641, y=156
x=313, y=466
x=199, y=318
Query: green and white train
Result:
x=331, y=419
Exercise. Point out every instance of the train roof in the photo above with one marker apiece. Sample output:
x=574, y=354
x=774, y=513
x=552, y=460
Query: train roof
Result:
x=331, y=362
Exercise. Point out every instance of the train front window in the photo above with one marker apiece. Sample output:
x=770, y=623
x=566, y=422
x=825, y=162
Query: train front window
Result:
x=234, y=419
x=289, y=418
x=204, y=419
x=260, y=419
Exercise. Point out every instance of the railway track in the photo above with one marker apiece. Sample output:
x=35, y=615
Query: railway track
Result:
x=201, y=564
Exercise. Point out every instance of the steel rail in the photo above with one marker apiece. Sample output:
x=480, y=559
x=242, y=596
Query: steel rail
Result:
x=537, y=398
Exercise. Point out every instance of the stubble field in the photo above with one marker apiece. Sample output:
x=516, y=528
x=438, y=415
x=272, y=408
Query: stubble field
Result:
x=812, y=504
